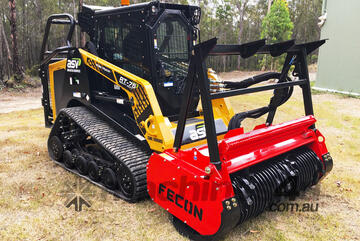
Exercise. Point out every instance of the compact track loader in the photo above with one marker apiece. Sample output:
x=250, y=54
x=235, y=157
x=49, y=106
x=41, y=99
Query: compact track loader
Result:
x=125, y=115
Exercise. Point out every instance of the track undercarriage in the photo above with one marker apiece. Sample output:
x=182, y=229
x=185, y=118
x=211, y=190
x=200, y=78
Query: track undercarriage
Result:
x=84, y=144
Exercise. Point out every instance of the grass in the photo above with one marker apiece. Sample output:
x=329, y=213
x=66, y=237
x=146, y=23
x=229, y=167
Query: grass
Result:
x=33, y=189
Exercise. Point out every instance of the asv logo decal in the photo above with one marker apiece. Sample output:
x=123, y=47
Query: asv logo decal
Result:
x=127, y=83
x=198, y=133
x=73, y=64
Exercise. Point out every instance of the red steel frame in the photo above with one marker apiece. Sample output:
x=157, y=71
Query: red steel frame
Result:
x=194, y=184
x=178, y=177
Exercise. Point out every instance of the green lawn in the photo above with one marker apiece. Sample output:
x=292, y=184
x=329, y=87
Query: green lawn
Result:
x=33, y=189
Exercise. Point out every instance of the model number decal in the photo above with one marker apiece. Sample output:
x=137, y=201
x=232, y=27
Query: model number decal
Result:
x=198, y=133
x=128, y=84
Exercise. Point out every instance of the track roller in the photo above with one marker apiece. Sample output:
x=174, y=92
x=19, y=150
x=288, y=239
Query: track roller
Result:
x=82, y=165
x=94, y=171
x=68, y=159
x=109, y=178
x=55, y=148
x=126, y=181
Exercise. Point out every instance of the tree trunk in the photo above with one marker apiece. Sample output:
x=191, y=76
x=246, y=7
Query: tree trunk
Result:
x=82, y=34
x=224, y=57
x=269, y=6
x=76, y=31
x=15, y=63
x=2, y=62
x=38, y=37
x=241, y=9
x=5, y=47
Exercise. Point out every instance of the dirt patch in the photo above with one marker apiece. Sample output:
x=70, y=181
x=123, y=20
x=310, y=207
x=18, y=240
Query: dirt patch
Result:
x=345, y=105
x=25, y=100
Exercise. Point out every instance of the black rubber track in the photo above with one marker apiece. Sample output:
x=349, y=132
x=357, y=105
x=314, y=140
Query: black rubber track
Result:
x=124, y=151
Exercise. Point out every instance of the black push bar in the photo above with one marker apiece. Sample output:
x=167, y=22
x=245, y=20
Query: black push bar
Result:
x=295, y=56
x=247, y=50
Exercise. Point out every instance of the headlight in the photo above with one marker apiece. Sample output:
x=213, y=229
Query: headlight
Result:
x=153, y=10
x=196, y=17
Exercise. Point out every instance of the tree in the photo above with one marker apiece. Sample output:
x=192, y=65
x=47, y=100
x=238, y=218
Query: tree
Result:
x=231, y=21
x=224, y=26
x=18, y=73
x=241, y=8
x=82, y=34
x=269, y=5
x=5, y=62
x=305, y=14
x=277, y=26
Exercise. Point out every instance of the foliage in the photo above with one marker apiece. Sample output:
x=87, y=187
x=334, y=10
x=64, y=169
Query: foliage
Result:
x=220, y=18
x=33, y=70
x=276, y=27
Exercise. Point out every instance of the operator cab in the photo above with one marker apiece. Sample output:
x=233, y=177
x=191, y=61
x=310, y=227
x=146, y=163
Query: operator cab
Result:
x=151, y=40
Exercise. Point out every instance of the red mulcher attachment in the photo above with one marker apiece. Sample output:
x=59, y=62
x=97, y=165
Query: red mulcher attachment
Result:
x=212, y=188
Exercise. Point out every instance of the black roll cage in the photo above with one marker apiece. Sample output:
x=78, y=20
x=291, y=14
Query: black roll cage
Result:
x=47, y=56
x=295, y=55
x=50, y=56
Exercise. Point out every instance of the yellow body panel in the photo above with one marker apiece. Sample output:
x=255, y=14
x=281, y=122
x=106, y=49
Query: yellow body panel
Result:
x=156, y=128
x=52, y=68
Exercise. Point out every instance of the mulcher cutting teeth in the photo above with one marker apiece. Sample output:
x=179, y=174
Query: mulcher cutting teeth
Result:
x=99, y=153
x=267, y=183
x=262, y=185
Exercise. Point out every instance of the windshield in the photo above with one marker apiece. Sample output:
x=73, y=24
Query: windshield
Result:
x=172, y=48
x=173, y=40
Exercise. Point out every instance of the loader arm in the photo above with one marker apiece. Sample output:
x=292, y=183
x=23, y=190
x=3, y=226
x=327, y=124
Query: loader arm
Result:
x=154, y=126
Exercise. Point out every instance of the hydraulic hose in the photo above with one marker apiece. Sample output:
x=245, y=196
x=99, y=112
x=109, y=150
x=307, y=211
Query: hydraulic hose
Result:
x=279, y=98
